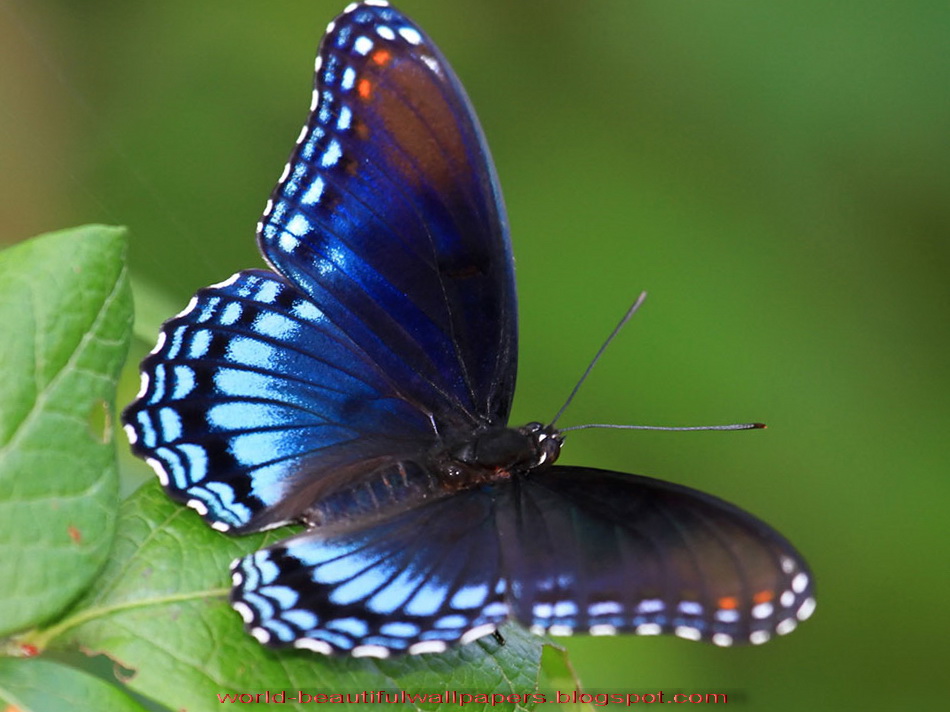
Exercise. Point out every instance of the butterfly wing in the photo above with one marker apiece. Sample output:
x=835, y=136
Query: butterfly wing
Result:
x=564, y=550
x=606, y=552
x=416, y=582
x=392, y=321
x=389, y=216
x=253, y=404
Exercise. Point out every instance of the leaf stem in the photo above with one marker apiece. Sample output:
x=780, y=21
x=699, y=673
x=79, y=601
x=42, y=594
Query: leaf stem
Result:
x=40, y=638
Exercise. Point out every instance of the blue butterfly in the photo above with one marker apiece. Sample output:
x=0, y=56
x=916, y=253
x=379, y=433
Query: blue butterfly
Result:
x=362, y=388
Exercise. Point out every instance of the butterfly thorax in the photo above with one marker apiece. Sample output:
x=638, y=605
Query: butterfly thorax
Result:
x=495, y=453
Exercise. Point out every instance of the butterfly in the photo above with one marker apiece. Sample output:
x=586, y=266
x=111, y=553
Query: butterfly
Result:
x=362, y=387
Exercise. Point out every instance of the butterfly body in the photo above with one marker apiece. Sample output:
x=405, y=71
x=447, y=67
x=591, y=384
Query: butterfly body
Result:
x=492, y=455
x=362, y=388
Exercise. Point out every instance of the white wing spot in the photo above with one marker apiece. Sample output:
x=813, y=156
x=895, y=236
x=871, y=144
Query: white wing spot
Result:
x=370, y=651
x=648, y=629
x=288, y=243
x=267, y=210
x=386, y=32
x=229, y=281
x=688, y=632
x=788, y=565
x=603, y=629
x=432, y=64
x=314, y=192
x=349, y=78
x=143, y=389
x=806, y=609
x=786, y=626
x=800, y=582
x=363, y=45
x=317, y=646
x=332, y=155
x=427, y=646
x=345, y=119
x=192, y=303
x=159, y=470
x=198, y=506
x=477, y=632
x=130, y=433
x=262, y=635
x=410, y=35
x=244, y=610
x=159, y=343
x=759, y=636
x=723, y=640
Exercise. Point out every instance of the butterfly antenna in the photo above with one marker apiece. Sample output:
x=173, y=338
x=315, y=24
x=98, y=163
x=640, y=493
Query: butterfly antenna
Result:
x=732, y=426
x=626, y=317
x=600, y=352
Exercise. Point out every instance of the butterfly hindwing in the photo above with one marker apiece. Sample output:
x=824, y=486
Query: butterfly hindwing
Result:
x=565, y=550
x=389, y=215
x=417, y=582
x=254, y=402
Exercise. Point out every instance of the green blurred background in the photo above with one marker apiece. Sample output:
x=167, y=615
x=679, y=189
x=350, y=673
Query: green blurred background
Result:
x=776, y=175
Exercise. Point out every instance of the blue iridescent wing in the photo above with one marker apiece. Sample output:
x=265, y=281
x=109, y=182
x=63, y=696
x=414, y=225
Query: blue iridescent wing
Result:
x=564, y=550
x=390, y=217
x=254, y=405
x=393, y=321
x=607, y=552
x=418, y=582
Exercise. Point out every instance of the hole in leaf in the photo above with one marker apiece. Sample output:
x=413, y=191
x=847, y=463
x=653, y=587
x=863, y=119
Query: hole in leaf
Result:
x=99, y=422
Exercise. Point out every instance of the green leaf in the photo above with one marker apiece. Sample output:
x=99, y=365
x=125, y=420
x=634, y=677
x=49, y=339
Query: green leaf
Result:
x=43, y=686
x=65, y=313
x=160, y=609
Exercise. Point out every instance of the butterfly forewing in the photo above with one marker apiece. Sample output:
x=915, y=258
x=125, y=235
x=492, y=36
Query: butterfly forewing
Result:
x=390, y=217
x=607, y=552
x=565, y=550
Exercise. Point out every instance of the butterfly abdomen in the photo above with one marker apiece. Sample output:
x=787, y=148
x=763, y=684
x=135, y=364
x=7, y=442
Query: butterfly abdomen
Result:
x=490, y=455
x=391, y=489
